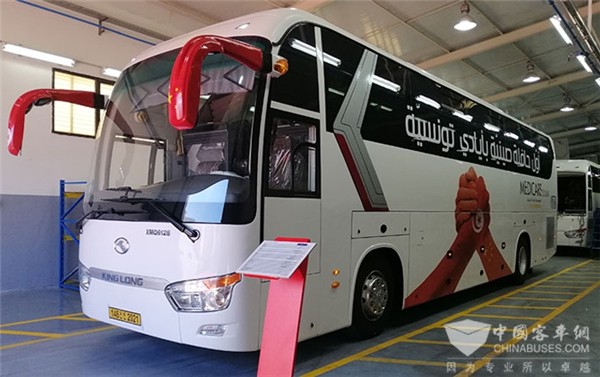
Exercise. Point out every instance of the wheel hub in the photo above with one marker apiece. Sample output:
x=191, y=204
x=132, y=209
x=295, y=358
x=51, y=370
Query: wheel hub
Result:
x=374, y=296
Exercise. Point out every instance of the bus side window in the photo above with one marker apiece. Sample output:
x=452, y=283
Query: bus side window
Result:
x=292, y=158
x=595, y=180
x=280, y=164
x=299, y=86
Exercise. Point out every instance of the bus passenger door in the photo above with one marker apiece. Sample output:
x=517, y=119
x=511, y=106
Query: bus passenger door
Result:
x=292, y=199
x=292, y=204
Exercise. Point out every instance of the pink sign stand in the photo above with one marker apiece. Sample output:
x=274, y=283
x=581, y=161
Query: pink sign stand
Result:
x=282, y=321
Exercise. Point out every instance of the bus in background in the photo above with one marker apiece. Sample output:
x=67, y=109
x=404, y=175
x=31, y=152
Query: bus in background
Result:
x=578, y=200
x=281, y=124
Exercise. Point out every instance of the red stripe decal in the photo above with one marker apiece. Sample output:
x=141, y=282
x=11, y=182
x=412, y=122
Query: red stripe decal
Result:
x=355, y=174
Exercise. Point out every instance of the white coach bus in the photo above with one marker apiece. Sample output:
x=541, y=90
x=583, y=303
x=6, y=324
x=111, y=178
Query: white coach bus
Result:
x=578, y=199
x=281, y=124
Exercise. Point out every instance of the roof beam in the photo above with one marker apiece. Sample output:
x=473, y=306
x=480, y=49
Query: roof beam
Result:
x=71, y=6
x=496, y=42
x=186, y=10
x=561, y=134
x=560, y=114
x=584, y=145
x=310, y=5
x=578, y=75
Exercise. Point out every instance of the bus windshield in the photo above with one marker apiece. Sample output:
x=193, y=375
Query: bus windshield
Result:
x=202, y=175
x=571, y=194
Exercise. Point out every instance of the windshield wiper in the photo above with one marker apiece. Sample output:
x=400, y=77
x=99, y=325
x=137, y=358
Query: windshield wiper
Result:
x=127, y=190
x=95, y=214
x=193, y=234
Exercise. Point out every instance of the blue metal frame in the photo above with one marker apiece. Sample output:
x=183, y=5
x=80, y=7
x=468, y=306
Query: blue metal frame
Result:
x=66, y=234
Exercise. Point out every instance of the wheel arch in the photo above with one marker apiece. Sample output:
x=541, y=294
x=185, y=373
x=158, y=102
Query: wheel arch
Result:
x=523, y=237
x=393, y=257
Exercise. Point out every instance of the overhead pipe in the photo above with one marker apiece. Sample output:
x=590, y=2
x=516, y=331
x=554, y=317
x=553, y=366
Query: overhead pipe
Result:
x=590, y=49
x=589, y=39
x=97, y=25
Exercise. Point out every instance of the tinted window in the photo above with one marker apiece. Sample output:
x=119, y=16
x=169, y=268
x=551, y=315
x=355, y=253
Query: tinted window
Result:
x=341, y=56
x=423, y=115
x=299, y=86
x=292, y=156
x=388, y=102
x=595, y=179
x=571, y=194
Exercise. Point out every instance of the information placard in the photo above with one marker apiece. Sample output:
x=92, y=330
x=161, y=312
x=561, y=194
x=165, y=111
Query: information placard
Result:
x=276, y=259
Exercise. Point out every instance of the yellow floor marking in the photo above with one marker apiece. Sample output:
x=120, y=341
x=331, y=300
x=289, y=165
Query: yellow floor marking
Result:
x=523, y=307
x=508, y=329
x=502, y=316
x=391, y=342
x=79, y=319
x=444, y=343
x=408, y=362
x=553, y=292
x=487, y=358
x=37, y=320
x=586, y=270
x=536, y=299
x=31, y=333
x=73, y=315
x=68, y=335
x=552, y=285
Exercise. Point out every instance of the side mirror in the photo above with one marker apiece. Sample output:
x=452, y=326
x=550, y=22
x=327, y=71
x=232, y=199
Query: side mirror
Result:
x=41, y=97
x=184, y=88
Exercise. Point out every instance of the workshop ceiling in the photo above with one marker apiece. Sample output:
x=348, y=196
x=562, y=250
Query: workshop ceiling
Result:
x=489, y=61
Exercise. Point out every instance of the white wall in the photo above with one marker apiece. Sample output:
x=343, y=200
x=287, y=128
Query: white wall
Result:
x=29, y=183
x=48, y=157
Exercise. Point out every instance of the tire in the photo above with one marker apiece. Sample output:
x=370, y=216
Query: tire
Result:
x=522, y=263
x=373, y=298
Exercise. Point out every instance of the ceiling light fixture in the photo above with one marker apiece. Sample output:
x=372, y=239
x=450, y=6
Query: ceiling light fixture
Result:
x=466, y=22
x=461, y=115
x=591, y=128
x=491, y=127
x=39, y=55
x=387, y=84
x=557, y=23
x=567, y=106
x=111, y=72
x=428, y=101
x=531, y=76
x=310, y=50
x=598, y=81
x=582, y=60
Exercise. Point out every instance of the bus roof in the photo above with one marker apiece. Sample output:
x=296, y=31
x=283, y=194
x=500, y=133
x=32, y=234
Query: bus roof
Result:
x=573, y=166
x=273, y=24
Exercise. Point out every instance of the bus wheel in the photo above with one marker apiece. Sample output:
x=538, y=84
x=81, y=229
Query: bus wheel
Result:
x=373, y=298
x=522, y=264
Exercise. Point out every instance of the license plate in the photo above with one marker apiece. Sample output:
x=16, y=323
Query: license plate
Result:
x=125, y=316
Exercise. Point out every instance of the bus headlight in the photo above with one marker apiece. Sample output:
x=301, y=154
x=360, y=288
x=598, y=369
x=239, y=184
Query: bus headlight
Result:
x=202, y=295
x=85, y=278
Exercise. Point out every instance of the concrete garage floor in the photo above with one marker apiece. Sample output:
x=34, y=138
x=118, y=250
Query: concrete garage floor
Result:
x=43, y=333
